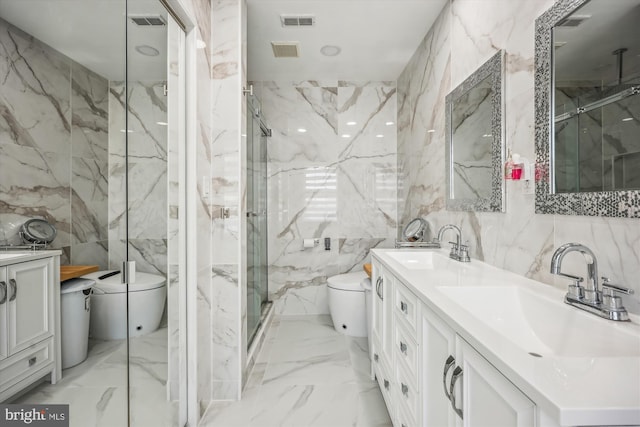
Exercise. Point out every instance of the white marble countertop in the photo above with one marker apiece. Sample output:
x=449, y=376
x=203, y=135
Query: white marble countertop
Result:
x=12, y=257
x=574, y=390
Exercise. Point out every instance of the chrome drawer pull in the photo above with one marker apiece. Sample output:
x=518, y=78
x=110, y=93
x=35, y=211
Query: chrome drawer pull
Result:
x=403, y=307
x=3, y=288
x=457, y=373
x=32, y=361
x=375, y=357
x=386, y=384
x=448, y=364
x=14, y=287
x=405, y=389
x=403, y=347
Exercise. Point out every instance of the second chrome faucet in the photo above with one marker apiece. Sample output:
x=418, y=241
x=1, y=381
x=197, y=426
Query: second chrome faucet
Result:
x=603, y=302
x=459, y=252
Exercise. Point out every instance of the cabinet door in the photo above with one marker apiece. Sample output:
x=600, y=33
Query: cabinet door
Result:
x=382, y=312
x=488, y=398
x=438, y=348
x=29, y=319
x=3, y=312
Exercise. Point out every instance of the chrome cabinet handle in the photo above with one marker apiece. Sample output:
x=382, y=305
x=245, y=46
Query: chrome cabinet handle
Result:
x=379, y=287
x=403, y=347
x=405, y=389
x=32, y=361
x=14, y=287
x=448, y=364
x=457, y=373
x=403, y=307
x=375, y=357
x=3, y=288
x=386, y=384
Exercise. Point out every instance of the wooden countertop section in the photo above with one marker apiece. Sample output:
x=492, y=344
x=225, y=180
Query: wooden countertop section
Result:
x=367, y=269
x=72, y=271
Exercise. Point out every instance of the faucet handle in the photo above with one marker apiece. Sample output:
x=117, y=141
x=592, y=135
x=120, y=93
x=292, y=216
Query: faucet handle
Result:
x=610, y=288
x=577, y=279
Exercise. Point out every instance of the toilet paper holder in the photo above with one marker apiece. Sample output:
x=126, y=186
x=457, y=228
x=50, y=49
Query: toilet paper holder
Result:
x=310, y=243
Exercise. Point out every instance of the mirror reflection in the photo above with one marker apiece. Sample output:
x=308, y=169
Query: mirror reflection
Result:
x=474, y=154
x=471, y=143
x=596, y=65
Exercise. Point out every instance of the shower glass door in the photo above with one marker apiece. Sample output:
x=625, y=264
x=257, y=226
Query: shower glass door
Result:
x=257, y=290
x=154, y=222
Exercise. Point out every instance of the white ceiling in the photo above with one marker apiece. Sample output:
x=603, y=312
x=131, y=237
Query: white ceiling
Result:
x=377, y=37
x=92, y=33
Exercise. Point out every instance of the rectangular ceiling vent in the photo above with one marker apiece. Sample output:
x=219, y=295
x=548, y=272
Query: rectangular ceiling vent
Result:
x=297, y=21
x=285, y=49
x=573, y=21
x=148, y=21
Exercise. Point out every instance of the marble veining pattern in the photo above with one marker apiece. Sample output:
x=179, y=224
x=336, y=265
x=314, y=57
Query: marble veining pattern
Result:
x=307, y=374
x=53, y=138
x=466, y=34
x=331, y=173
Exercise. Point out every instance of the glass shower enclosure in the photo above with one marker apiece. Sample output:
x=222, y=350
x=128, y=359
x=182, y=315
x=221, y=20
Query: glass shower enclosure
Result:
x=257, y=266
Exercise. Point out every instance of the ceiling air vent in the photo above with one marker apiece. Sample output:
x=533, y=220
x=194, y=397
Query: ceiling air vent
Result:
x=573, y=21
x=297, y=21
x=285, y=49
x=148, y=21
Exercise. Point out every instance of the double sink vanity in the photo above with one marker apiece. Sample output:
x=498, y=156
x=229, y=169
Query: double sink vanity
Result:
x=469, y=344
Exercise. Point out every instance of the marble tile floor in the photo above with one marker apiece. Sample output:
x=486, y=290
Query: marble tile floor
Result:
x=306, y=375
x=96, y=389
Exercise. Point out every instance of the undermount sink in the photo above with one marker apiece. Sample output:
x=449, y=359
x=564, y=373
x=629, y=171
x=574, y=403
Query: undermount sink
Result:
x=541, y=326
x=10, y=255
x=420, y=260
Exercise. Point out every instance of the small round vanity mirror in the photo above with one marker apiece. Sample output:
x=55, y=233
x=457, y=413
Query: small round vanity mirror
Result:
x=415, y=231
x=37, y=231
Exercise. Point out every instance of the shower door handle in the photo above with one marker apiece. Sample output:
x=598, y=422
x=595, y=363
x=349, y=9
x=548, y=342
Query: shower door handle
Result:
x=128, y=272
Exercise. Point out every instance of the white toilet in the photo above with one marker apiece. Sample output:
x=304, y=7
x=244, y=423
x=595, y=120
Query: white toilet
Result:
x=147, y=296
x=347, y=304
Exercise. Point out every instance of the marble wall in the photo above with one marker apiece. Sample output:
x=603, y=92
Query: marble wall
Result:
x=466, y=34
x=145, y=206
x=53, y=147
x=331, y=173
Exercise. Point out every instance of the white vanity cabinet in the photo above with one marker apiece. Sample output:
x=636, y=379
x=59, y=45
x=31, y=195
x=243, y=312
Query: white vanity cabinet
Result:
x=438, y=379
x=29, y=301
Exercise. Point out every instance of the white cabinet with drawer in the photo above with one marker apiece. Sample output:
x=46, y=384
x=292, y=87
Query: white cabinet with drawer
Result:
x=29, y=326
x=438, y=379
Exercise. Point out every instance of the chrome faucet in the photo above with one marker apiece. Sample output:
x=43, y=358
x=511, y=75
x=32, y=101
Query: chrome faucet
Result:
x=459, y=252
x=603, y=302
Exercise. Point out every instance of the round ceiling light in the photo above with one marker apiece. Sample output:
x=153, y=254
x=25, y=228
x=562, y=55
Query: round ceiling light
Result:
x=330, y=50
x=147, y=50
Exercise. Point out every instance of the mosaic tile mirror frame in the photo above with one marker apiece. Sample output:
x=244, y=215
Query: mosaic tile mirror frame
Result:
x=550, y=197
x=475, y=140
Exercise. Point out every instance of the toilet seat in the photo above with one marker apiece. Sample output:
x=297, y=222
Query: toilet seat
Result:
x=113, y=285
x=347, y=282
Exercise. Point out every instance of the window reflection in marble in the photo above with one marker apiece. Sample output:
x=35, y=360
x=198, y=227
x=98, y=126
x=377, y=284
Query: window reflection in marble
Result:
x=321, y=194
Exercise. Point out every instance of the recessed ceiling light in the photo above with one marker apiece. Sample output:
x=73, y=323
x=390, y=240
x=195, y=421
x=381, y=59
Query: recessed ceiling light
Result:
x=487, y=135
x=351, y=123
x=431, y=131
x=302, y=130
x=330, y=50
x=627, y=119
x=162, y=123
x=390, y=123
x=147, y=50
x=125, y=130
x=346, y=135
x=379, y=135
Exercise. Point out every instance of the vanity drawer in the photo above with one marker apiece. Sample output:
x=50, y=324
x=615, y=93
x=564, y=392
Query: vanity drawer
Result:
x=406, y=395
x=406, y=307
x=30, y=360
x=406, y=350
x=384, y=377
